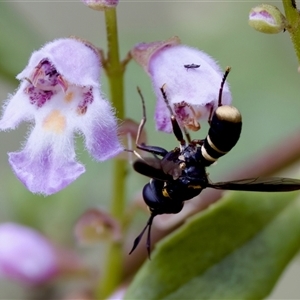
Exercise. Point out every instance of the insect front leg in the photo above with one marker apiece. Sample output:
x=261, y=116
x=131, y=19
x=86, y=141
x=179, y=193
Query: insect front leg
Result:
x=151, y=149
x=176, y=128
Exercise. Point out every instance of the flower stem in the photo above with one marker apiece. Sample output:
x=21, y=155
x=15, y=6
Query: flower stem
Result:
x=293, y=19
x=112, y=273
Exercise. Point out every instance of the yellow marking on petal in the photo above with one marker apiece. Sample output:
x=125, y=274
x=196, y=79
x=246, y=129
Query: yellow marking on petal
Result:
x=55, y=122
x=69, y=97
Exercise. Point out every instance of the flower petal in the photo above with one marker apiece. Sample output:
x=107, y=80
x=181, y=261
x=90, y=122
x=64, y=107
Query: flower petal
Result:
x=99, y=127
x=17, y=109
x=44, y=174
x=197, y=87
x=47, y=163
x=74, y=60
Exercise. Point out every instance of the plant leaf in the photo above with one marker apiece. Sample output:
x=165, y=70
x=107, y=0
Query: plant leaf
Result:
x=236, y=249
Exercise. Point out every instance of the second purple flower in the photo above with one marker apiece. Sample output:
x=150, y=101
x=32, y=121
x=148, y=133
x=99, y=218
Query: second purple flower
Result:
x=191, y=80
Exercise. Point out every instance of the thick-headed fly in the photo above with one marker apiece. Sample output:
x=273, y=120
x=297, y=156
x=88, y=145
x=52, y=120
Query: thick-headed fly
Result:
x=179, y=175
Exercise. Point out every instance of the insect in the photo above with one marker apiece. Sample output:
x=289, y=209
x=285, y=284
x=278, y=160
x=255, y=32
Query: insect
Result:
x=180, y=174
x=191, y=66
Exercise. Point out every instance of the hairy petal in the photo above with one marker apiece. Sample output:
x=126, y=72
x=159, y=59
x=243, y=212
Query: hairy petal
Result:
x=47, y=164
x=16, y=109
x=197, y=87
x=72, y=59
x=190, y=78
x=99, y=127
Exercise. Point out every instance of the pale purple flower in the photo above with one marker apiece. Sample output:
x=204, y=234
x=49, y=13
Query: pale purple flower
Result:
x=60, y=92
x=191, y=81
x=100, y=4
x=25, y=255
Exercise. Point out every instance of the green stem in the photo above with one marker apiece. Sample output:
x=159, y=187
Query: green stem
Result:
x=113, y=270
x=293, y=19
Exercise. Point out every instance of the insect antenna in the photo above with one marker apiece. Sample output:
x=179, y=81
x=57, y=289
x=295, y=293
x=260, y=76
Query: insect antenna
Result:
x=139, y=237
x=164, y=94
x=222, y=85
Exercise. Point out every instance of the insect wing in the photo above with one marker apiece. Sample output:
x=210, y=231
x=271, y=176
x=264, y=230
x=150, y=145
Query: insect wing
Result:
x=170, y=164
x=273, y=184
x=151, y=167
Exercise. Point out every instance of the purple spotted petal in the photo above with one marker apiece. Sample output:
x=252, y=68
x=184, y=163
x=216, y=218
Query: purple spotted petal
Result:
x=44, y=173
x=162, y=117
x=76, y=62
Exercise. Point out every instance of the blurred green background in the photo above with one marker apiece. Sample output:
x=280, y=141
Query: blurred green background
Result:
x=264, y=83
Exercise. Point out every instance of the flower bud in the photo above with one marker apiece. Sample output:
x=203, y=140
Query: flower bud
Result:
x=142, y=53
x=101, y=4
x=127, y=132
x=267, y=19
x=96, y=225
x=25, y=255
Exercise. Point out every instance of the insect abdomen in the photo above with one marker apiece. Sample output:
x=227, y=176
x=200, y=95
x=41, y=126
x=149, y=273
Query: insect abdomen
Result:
x=224, y=132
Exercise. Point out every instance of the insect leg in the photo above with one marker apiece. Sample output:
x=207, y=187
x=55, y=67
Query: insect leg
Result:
x=152, y=149
x=210, y=115
x=139, y=237
x=176, y=128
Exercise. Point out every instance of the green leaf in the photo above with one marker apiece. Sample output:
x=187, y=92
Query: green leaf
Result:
x=18, y=40
x=236, y=249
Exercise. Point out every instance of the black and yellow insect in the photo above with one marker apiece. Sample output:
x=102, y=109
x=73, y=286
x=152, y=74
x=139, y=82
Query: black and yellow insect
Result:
x=180, y=174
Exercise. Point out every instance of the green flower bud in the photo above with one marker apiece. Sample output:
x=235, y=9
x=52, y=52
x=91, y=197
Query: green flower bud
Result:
x=267, y=19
